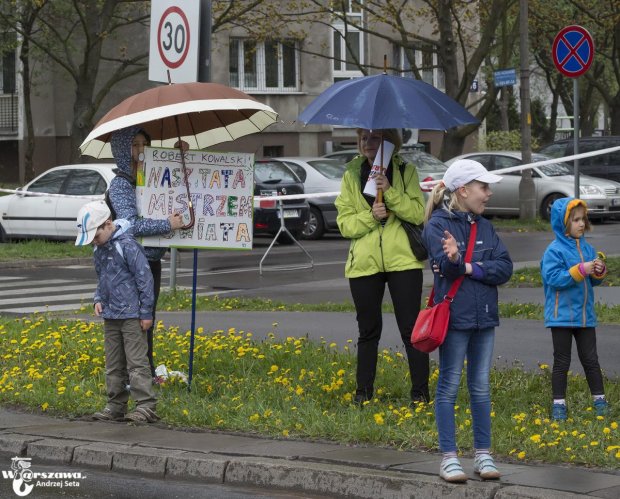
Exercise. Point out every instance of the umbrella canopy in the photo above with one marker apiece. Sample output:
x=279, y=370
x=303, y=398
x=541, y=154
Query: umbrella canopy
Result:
x=386, y=101
x=207, y=114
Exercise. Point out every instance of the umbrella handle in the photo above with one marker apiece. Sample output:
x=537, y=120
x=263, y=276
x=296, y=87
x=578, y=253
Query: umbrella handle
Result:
x=192, y=218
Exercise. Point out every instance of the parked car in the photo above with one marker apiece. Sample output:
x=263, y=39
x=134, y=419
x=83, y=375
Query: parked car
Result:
x=428, y=166
x=319, y=175
x=551, y=182
x=604, y=165
x=25, y=215
x=274, y=178
x=347, y=155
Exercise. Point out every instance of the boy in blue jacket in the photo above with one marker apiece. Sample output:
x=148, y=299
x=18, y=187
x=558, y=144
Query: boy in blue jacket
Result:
x=124, y=298
x=570, y=268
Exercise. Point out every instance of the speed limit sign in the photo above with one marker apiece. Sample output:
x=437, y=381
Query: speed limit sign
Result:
x=174, y=41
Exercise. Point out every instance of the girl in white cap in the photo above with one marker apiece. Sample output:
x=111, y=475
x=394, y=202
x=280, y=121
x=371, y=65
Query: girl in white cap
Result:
x=454, y=206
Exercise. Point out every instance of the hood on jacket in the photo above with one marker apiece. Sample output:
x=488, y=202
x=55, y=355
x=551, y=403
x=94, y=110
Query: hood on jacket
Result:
x=560, y=211
x=120, y=143
x=444, y=212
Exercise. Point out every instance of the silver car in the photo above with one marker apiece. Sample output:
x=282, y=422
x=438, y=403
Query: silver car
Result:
x=318, y=175
x=551, y=182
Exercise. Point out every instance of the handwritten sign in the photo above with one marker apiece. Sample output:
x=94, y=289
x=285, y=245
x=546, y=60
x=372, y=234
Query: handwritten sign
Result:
x=221, y=187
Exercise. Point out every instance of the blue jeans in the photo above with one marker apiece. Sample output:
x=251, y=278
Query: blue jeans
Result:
x=477, y=345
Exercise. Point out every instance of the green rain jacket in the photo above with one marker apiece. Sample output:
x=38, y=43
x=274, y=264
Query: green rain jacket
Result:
x=375, y=248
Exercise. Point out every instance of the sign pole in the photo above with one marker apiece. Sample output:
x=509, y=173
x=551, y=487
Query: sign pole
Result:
x=576, y=132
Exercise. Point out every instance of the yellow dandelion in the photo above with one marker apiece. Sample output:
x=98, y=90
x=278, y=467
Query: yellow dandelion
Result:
x=614, y=425
x=274, y=368
x=535, y=438
x=285, y=433
x=521, y=455
x=606, y=431
x=44, y=406
x=379, y=419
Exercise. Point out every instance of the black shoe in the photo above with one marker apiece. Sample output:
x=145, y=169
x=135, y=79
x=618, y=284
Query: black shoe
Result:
x=360, y=398
x=416, y=401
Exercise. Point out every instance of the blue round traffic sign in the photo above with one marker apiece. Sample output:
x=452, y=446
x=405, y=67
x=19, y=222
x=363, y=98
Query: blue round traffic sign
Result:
x=573, y=51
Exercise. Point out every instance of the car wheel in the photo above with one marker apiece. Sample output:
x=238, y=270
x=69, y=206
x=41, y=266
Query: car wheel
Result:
x=315, y=228
x=3, y=237
x=545, y=207
x=285, y=240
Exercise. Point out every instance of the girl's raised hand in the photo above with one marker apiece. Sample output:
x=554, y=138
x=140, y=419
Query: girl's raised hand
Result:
x=450, y=248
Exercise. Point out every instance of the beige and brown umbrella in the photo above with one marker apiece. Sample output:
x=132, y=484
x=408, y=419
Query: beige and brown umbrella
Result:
x=201, y=114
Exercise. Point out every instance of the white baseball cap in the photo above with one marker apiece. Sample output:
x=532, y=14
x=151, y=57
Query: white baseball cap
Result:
x=464, y=171
x=89, y=218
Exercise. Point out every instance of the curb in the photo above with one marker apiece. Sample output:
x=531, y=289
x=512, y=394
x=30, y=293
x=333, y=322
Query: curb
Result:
x=284, y=474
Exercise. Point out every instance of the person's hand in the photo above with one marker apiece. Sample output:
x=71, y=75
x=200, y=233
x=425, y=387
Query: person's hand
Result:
x=184, y=146
x=176, y=221
x=98, y=309
x=379, y=211
x=145, y=324
x=382, y=182
x=450, y=248
x=588, y=267
x=599, y=266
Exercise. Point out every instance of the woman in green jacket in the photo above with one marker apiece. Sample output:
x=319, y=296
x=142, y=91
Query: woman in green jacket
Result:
x=380, y=253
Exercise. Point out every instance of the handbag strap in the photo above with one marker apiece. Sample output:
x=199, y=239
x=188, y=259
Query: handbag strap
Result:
x=457, y=282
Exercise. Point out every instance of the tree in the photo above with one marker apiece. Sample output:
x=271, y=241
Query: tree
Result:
x=462, y=35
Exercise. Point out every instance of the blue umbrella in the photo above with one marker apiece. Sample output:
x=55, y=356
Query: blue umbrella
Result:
x=386, y=101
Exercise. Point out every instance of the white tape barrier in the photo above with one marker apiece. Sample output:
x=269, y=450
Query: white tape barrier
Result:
x=430, y=183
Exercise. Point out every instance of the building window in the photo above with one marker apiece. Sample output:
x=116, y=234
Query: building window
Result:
x=426, y=62
x=7, y=62
x=348, y=42
x=268, y=66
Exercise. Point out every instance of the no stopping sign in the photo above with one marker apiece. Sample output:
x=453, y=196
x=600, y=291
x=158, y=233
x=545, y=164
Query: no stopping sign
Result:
x=174, y=41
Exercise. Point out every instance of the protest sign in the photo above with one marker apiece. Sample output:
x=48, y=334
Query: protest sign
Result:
x=221, y=186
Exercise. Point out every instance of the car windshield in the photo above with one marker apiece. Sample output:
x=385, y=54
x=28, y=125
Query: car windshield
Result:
x=329, y=168
x=554, y=170
x=425, y=163
x=273, y=172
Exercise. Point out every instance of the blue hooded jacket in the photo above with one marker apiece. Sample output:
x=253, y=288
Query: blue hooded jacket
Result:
x=123, y=193
x=569, y=296
x=475, y=304
x=125, y=287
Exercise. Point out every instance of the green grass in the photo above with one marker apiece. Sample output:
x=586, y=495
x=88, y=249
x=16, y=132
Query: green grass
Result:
x=42, y=250
x=518, y=225
x=294, y=388
x=529, y=277
x=181, y=300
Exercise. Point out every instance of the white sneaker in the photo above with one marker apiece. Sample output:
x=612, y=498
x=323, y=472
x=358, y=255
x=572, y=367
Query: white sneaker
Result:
x=452, y=471
x=485, y=467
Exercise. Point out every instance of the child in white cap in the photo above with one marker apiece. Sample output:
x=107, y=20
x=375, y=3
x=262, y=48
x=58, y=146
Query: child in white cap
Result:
x=454, y=206
x=124, y=298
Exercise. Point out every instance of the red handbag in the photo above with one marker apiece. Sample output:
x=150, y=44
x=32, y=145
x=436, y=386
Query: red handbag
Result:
x=431, y=326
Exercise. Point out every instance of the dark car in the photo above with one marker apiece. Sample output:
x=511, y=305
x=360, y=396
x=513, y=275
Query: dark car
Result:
x=274, y=178
x=603, y=166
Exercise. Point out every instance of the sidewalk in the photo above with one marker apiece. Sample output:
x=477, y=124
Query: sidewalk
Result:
x=314, y=467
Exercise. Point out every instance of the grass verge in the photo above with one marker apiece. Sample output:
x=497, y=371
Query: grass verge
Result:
x=181, y=300
x=518, y=225
x=294, y=388
x=43, y=250
x=529, y=277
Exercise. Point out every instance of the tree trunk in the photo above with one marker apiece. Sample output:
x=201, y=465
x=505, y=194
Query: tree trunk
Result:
x=24, y=57
x=614, y=115
x=452, y=145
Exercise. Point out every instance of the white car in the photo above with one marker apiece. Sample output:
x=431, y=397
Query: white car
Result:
x=26, y=215
x=551, y=182
x=318, y=175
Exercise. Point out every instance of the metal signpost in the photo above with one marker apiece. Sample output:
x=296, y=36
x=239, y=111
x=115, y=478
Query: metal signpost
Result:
x=573, y=53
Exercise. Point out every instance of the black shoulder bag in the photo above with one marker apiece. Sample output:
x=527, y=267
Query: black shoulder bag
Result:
x=414, y=232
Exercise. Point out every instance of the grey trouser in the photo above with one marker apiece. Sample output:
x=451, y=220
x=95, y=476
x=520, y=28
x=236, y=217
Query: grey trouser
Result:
x=126, y=361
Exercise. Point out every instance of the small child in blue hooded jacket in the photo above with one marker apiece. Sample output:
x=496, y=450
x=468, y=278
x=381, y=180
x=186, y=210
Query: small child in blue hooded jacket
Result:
x=570, y=268
x=124, y=298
